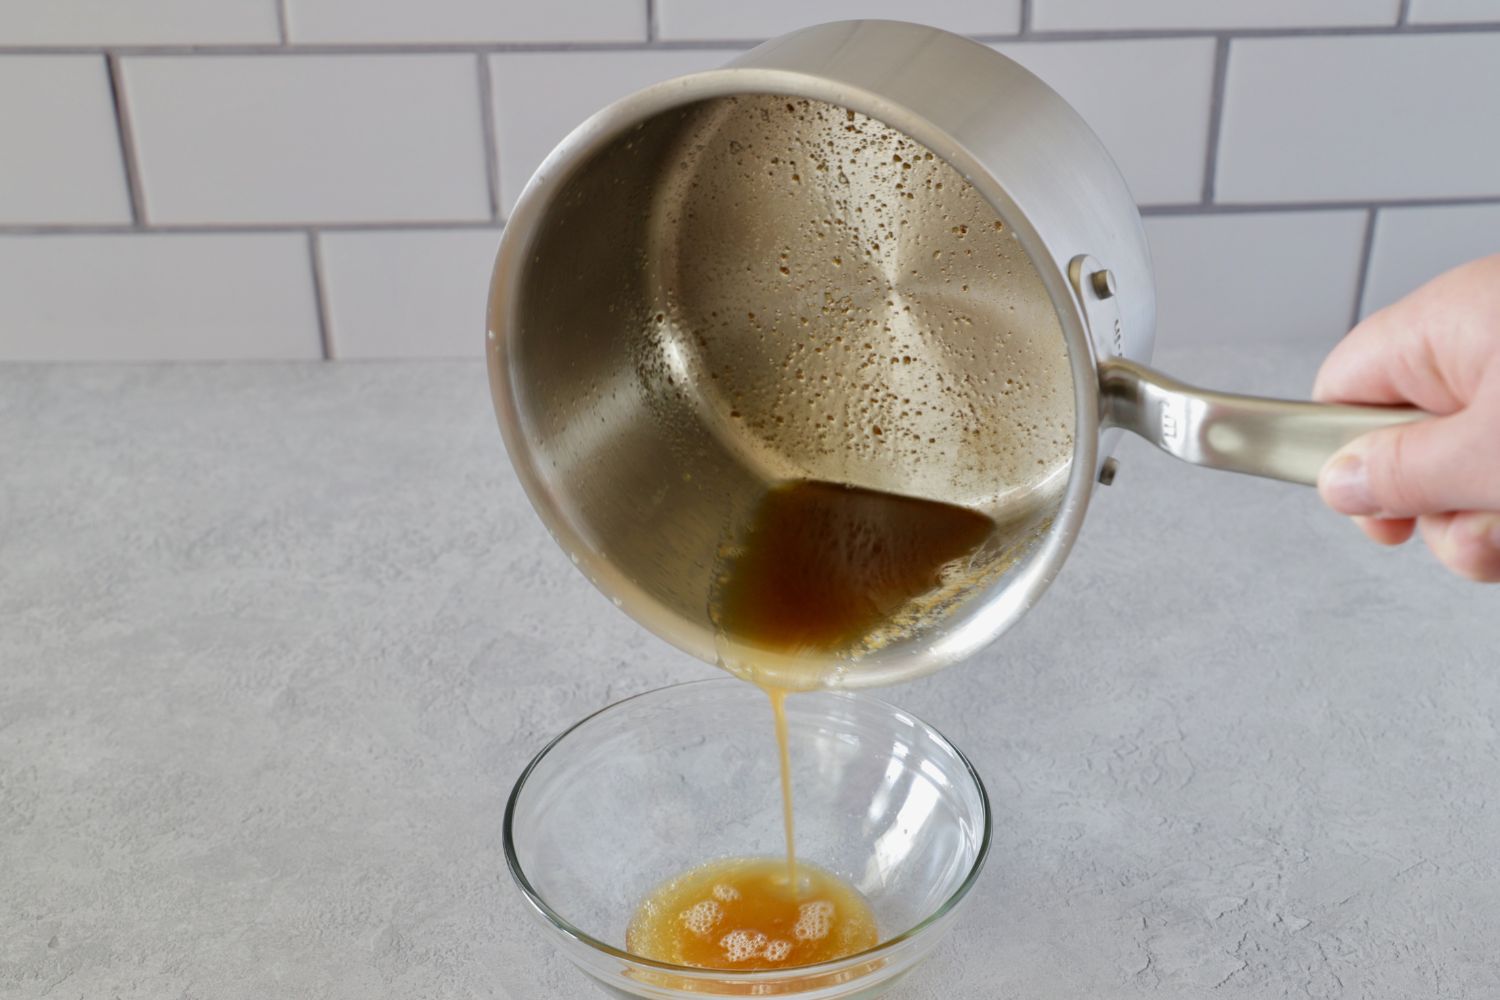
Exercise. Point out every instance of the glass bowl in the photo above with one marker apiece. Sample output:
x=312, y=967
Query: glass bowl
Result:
x=655, y=785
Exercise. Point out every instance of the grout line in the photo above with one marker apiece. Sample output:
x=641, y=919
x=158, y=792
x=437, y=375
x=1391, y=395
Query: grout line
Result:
x=487, y=130
x=651, y=26
x=1026, y=17
x=127, y=141
x=425, y=225
x=1403, y=18
x=378, y=49
x=1215, y=117
x=1142, y=34
x=320, y=294
x=225, y=228
x=1367, y=248
x=472, y=48
x=281, y=21
x=408, y=225
x=1259, y=207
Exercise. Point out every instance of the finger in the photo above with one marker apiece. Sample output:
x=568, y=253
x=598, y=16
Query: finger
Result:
x=1468, y=543
x=1429, y=349
x=1428, y=467
x=1387, y=530
x=1375, y=362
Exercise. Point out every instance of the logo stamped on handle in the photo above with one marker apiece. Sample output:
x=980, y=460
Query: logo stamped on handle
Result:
x=1171, y=424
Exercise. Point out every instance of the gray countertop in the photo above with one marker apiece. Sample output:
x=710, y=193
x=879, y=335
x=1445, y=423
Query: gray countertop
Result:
x=275, y=641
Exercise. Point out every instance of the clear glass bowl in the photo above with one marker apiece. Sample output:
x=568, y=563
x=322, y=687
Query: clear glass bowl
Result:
x=660, y=783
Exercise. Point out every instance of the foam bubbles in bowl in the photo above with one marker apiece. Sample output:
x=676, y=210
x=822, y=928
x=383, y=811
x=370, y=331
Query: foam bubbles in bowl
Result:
x=701, y=917
x=814, y=920
x=740, y=946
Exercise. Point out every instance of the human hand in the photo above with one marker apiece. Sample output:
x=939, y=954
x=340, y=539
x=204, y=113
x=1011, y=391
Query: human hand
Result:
x=1437, y=349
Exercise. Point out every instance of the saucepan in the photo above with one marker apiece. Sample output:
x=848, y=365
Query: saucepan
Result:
x=866, y=252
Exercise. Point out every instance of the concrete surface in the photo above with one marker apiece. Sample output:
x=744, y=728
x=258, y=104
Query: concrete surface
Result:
x=276, y=640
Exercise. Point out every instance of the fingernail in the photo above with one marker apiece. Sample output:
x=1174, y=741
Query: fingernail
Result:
x=1345, y=486
x=1489, y=531
x=1476, y=530
x=1471, y=547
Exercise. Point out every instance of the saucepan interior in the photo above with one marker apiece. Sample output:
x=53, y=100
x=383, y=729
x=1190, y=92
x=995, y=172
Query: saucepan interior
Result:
x=750, y=288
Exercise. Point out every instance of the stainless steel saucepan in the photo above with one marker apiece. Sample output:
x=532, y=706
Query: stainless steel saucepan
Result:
x=866, y=252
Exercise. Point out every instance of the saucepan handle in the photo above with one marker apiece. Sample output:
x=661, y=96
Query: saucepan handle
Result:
x=1274, y=438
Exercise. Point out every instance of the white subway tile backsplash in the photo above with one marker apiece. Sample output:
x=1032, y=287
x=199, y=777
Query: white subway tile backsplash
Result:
x=1365, y=117
x=1125, y=15
x=1454, y=11
x=154, y=296
x=1255, y=277
x=340, y=21
x=700, y=20
x=360, y=147
x=408, y=294
x=137, y=22
x=307, y=139
x=1148, y=101
x=60, y=160
x=540, y=97
x=1414, y=245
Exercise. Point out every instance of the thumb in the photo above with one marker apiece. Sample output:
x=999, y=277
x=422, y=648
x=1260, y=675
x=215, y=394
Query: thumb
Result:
x=1428, y=467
